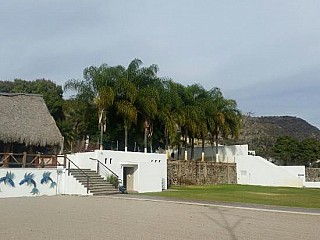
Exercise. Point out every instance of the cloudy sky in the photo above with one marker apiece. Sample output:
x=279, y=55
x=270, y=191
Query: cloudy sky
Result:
x=265, y=54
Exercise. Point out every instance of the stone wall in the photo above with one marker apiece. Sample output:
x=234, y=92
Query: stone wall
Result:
x=198, y=173
x=312, y=174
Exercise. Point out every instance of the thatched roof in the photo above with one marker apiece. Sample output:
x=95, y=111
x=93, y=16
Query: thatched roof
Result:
x=25, y=118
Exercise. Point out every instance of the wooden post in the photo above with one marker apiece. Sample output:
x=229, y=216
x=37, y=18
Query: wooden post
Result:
x=6, y=155
x=36, y=161
x=64, y=160
x=42, y=163
x=24, y=159
x=54, y=160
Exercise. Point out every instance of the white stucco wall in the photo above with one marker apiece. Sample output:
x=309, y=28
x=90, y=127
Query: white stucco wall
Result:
x=312, y=184
x=25, y=190
x=64, y=184
x=150, y=173
x=255, y=170
x=68, y=184
x=226, y=153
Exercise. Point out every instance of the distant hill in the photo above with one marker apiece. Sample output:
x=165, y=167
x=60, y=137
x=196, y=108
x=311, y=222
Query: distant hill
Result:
x=261, y=132
x=278, y=126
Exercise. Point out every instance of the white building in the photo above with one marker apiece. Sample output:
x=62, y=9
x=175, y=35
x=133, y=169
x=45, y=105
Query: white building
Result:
x=139, y=172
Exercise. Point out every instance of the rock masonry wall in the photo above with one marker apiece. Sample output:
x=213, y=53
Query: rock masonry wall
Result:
x=198, y=173
x=312, y=174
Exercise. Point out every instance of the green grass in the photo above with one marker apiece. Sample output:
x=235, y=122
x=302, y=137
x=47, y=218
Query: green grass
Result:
x=280, y=196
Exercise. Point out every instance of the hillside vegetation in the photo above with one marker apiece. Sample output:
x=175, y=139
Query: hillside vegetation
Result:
x=289, y=139
x=274, y=126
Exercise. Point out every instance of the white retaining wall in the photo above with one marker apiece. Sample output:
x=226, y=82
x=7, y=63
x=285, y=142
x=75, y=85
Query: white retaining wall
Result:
x=312, y=184
x=68, y=184
x=63, y=184
x=255, y=170
x=226, y=153
x=25, y=190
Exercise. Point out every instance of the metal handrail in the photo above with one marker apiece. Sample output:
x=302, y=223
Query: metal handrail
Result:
x=88, y=178
x=99, y=162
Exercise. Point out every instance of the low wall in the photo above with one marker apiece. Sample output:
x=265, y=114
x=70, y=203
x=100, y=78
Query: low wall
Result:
x=312, y=174
x=24, y=182
x=255, y=170
x=20, y=182
x=226, y=153
x=197, y=173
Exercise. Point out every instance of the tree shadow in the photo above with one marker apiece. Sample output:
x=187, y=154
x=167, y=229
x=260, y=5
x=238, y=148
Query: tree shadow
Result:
x=225, y=224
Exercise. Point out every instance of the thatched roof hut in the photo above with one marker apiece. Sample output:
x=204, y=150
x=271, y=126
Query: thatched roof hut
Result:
x=25, y=119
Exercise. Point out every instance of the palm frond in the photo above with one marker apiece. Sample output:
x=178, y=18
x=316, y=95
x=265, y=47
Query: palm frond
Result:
x=11, y=182
x=28, y=178
x=8, y=179
x=3, y=179
x=45, y=177
x=35, y=191
x=10, y=175
x=23, y=181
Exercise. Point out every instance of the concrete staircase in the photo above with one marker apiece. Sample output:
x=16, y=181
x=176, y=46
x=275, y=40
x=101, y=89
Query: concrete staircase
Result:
x=97, y=185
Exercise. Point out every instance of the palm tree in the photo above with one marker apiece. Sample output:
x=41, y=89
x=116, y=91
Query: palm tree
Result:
x=224, y=117
x=97, y=89
x=147, y=83
x=192, y=114
x=147, y=104
x=168, y=107
x=126, y=95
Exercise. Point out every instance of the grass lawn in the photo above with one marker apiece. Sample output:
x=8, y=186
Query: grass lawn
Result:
x=280, y=196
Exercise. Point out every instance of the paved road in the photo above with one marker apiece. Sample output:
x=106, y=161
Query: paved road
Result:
x=74, y=217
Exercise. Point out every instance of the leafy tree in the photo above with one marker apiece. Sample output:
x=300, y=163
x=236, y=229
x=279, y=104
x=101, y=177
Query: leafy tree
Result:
x=79, y=121
x=291, y=151
x=286, y=149
x=308, y=152
x=51, y=92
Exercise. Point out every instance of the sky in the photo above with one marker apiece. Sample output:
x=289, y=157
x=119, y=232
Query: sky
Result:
x=264, y=54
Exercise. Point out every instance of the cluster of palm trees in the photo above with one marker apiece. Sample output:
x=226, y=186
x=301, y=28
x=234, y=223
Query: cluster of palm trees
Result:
x=139, y=99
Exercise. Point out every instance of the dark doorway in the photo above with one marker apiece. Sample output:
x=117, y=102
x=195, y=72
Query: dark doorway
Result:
x=128, y=178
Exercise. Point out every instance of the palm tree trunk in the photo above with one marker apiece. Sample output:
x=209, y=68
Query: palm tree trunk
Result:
x=192, y=148
x=125, y=138
x=167, y=139
x=167, y=144
x=202, y=153
x=101, y=135
x=145, y=136
x=185, y=146
x=217, y=147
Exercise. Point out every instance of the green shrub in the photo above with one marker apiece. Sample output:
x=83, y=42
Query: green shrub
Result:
x=113, y=180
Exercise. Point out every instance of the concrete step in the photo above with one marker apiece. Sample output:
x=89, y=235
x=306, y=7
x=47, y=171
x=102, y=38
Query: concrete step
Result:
x=91, y=177
x=91, y=180
x=98, y=186
x=103, y=192
x=94, y=174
